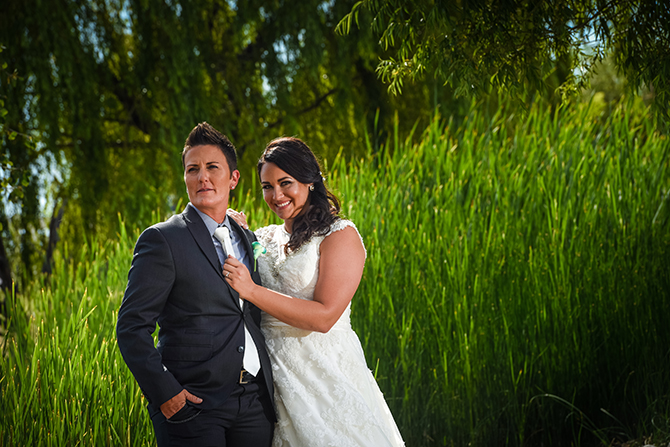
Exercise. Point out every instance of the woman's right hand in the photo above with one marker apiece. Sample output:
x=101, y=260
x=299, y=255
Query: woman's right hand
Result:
x=240, y=218
x=237, y=275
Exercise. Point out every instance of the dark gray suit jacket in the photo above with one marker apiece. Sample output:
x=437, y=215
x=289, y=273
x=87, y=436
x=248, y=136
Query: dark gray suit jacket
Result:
x=176, y=280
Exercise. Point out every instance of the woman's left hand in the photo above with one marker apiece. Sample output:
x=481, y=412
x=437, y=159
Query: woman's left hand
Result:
x=237, y=275
x=240, y=217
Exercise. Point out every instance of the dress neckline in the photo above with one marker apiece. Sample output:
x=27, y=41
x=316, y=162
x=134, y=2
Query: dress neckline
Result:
x=283, y=228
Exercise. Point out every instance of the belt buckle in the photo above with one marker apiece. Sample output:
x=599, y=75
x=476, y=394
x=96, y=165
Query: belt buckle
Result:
x=242, y=381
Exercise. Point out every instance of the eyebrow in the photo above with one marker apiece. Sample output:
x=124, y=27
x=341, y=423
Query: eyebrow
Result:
x=208, y=163
x=279, y=180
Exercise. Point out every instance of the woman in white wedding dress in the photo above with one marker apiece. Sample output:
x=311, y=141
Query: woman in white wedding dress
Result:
x=325, y=393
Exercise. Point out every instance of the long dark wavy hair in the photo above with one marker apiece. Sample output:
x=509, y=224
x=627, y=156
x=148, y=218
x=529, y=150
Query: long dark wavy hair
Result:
x=322, y=209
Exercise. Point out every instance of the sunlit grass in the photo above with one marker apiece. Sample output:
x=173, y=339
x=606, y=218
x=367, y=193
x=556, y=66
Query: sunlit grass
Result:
x=517, y=278
x=63, y=380
x=516, y=292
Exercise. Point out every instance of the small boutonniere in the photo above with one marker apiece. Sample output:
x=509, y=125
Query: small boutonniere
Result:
x=258, y=251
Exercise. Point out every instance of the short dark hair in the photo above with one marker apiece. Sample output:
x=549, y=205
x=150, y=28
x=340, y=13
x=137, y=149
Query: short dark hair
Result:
x=322, y=209
x=204, y=134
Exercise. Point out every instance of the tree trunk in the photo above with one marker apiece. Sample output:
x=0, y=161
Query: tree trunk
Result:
x=5, y=267
x=56, y=219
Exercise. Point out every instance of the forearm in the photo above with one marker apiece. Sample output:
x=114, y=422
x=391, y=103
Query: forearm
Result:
x=340, y=267
x=303, y=314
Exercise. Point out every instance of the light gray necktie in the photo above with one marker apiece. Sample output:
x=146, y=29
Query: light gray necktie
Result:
x=250, y=361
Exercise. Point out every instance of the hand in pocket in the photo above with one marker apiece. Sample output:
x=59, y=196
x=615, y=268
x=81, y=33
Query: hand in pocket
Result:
x=178, y=404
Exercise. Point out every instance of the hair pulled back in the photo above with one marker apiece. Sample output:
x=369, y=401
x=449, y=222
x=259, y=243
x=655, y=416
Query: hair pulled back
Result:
x=322, y=209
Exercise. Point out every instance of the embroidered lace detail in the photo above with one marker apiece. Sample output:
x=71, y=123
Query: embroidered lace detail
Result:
x=325, y=394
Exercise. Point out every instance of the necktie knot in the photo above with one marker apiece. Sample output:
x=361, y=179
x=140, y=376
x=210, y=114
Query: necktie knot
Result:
x=221, y=233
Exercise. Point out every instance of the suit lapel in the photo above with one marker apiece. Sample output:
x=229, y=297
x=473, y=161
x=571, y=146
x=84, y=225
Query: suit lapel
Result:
x=242, y=234
x=202, y=237
x=250, y=252
x=204, y=240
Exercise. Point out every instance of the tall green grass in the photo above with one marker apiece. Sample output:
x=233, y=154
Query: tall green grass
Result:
x=516, y=292
x=63, y=381
x=517, y=279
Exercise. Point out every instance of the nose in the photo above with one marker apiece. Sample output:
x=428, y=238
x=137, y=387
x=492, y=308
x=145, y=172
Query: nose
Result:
x=203, y=175
x=277, y=193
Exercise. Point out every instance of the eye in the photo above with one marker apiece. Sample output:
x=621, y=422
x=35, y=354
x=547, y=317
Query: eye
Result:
x=286, y=183
x=266, y=187
x=191, y=169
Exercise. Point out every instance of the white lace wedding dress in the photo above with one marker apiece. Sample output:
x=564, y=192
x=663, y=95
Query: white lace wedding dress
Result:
x=325, y=393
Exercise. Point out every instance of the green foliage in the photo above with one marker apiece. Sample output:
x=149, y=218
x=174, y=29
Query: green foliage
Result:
x=17, y=182
x=516, y=284
x=519, y=46
x=108, y=92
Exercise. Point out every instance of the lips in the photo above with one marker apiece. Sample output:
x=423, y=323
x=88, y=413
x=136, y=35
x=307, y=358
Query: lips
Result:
x=283, y=204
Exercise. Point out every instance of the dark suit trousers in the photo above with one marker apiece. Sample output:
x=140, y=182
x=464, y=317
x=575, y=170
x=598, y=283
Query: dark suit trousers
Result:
x=245, y=420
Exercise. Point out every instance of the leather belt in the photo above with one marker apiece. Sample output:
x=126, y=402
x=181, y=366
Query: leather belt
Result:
x=246, y=377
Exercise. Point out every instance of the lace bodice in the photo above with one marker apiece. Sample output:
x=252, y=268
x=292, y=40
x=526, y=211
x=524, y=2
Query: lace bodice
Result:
x=296, y=274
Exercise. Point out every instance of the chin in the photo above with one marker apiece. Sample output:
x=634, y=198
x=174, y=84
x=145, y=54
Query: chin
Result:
x=282, y=214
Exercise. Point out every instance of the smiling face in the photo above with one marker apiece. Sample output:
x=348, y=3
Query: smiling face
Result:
x=284, y=195
x=209, y=180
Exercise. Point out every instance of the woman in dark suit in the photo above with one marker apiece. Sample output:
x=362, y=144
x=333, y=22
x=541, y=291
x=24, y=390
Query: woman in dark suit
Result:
x=197, y=389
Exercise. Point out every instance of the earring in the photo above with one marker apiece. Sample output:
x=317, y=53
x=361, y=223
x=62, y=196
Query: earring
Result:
x=311, y=187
